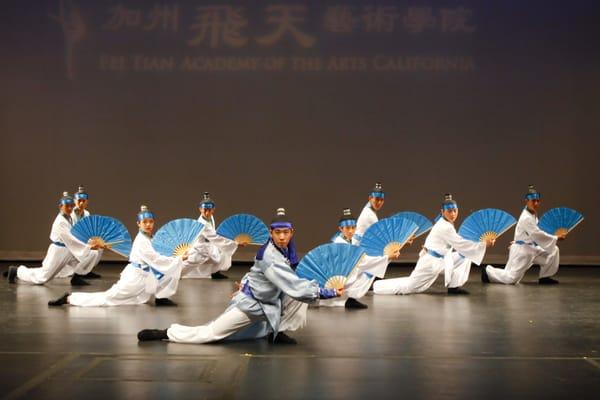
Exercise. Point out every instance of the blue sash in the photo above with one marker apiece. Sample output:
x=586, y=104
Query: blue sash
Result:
x=434, y=253
x=59, y=244
x=147, y=268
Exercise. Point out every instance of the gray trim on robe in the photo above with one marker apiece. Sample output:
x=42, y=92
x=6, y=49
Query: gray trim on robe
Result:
x=270, y=279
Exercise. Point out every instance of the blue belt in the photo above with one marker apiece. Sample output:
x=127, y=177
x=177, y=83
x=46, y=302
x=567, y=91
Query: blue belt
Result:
x=246, y=290
x=368, y=274
x=434, y=253
x=521, y=242
x=59, y=244
x=147, y=268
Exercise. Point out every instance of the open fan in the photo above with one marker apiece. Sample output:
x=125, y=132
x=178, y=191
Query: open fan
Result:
x=244, y=229
x=330, y=264
x=387, y=236
x=422, y=222
x=175, y=237
x=109, y=231
x=560, y=220
x=486, y=224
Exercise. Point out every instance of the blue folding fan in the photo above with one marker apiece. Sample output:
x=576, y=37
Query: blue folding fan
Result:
x=330, y=264
x=486, y=224
x=110, y=231
x=175, y=237
x=560, y=220
x=387, y=236
x=422, y=222
x=244, y=229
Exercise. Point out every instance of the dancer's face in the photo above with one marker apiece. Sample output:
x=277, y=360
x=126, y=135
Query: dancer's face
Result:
x=450, y=214
x=81, y=203
x=207, y=213
x=376, y=202
x=348, y=231
x=146, y=225
x=533, y=204
x=66, y=208
x=282, y=236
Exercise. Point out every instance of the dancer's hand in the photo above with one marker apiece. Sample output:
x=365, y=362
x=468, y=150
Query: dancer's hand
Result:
x=562, y=236
x=96, y=243
x=237, y=286
x=411, y=240
x=339, y=292
x=395, y=255
x=490, y=242
x=185, y=255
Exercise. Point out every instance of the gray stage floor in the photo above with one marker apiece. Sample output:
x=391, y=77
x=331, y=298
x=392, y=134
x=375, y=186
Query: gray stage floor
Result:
x=501, y=342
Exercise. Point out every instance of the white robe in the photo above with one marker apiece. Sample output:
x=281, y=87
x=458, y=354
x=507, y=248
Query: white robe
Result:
x=209, y=253
x=539, y=247
x=366, y=218
x=136, y=285
x=442, y=239
x=86, y=265
x=64, y=250
x=360, y=279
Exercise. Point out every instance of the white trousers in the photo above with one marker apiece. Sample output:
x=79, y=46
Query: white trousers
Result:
x=134, y=287
x=81, y=267
x=233, y=320
x=520, y=259
x=424, y=275
x=55, y=260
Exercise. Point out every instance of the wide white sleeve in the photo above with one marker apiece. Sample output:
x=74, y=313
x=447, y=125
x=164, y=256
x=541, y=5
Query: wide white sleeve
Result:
x=79, y=249
x=543, y=239
x=156, y=260
x=474, y=251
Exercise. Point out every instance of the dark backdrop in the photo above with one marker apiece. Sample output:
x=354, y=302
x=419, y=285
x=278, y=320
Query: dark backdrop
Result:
x=156, y=102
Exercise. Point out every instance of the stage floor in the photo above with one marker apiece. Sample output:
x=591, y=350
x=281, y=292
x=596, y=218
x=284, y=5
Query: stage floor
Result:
x=501, y=342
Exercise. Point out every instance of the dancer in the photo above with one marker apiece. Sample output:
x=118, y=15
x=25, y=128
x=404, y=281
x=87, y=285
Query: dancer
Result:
x=531, y=246
x=438, y=256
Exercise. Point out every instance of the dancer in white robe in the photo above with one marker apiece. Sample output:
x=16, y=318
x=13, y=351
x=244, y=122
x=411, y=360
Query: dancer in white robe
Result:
x=211, y=253
x=147, y=274
x=438, y=257
x=270, y=301
x=368, y=215
x=361, y=278
x=64, y=249
x=531, y=246
x=81, y=269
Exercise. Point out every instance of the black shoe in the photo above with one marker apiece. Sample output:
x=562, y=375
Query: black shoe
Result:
x=5, y=274
x=60, y=301
x=147, y=335
x=484, y=276
x=355, y=304
x=457, y=290
x=218, y=275
x=164, y=303
x=547, y=281
x=11, y=274
x=92, y=275
x=281, y=338
x=77, y=280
